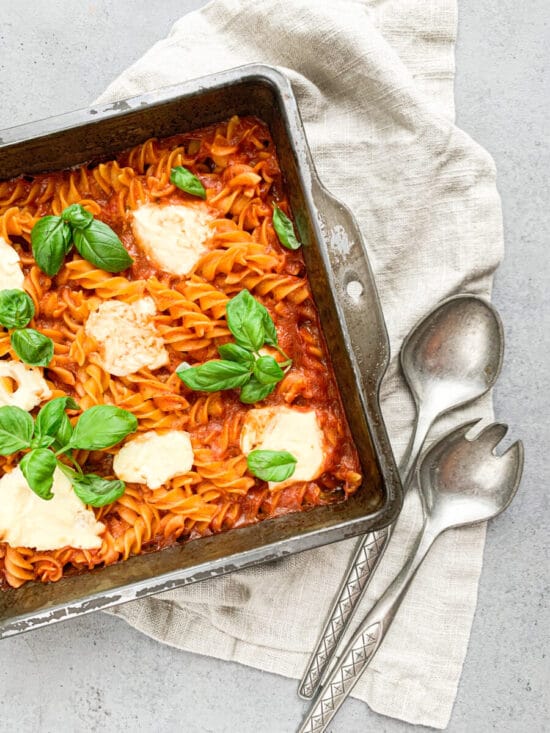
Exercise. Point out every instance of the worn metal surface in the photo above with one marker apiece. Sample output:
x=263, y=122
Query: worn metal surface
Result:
x=344, y=291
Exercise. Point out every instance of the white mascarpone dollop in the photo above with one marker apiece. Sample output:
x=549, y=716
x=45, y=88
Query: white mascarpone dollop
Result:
x=284, y=428
x=21, y=385
x=173, y=236
x=26, y=520
x=127, y=337
x=154, y=458
x=11, y=274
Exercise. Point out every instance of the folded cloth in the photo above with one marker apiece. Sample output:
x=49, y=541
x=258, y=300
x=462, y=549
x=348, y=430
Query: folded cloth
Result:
x=374, y=81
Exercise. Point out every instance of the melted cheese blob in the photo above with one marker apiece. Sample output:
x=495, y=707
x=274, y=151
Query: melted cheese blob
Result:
x=283, y=428
x=173, y=237
x=26, y=520
x=11, y=274
x=31, y=387
x=126, y=335
x=153, y=458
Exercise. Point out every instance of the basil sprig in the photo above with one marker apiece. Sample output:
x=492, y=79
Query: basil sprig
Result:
x=16, y=429
x=246, y=319
x=16, y=308
x=98, y=244
x=267, y=370
x=32, y=347
x=215, y=375
x=241, y=364
x=255, y=391
x=52, y=420
x=77, y=216
x=186, y=181
x=52, y=435
x=52, y=238
x=284, y=229
x=271, y=465
x=16, y=311
x=38, y=467
x=93, y=489
x=102, y=426
x=51, y=241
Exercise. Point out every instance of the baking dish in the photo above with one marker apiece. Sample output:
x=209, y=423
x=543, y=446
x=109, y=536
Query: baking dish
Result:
x=345, y=296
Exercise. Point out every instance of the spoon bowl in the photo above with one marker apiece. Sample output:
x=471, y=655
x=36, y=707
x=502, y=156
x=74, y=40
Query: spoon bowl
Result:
x=453, y=356
x=455, y=351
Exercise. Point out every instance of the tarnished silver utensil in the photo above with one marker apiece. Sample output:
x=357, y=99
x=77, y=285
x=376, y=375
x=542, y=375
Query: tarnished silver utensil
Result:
x=451, y=357
x=460, y=482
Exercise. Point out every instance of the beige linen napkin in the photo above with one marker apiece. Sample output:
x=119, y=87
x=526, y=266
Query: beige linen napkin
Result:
x=374, y=80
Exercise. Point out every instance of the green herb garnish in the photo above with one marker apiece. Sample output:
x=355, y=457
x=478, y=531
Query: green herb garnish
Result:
x=52, y=237
x=254, y=391
x=32, y=347
x=16, y=310
x=98, y=244
x=241, y=365
x=93, y=489
x=285, y=229
x=271, y=465
x=186, y=181
x=215, y=375
x=38, y=467
x=52, y=435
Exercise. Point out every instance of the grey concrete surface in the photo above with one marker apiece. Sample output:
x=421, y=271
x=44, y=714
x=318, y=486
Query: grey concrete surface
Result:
x=97, y=674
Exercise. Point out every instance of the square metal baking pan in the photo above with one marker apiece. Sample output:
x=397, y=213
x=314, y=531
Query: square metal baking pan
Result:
x=345, y=295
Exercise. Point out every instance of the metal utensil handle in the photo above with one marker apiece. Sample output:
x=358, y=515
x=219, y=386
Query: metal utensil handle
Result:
x=342, y=679
x=365, y=642
x=362, y=565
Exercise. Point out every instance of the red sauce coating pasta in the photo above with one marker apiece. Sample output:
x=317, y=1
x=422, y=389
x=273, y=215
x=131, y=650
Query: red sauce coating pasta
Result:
x=237, y=164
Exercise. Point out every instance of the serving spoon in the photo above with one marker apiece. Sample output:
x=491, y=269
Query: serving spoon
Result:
x=460, y=482
x=451, y=357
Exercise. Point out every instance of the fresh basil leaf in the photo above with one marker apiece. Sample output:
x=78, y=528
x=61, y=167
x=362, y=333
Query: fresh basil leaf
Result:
x=50, y=240
x=32, y=347
x=95, y=490
x=284, y=229
x=16, y=426
x=102, y=426
x=186, y=181
x=234, y=352
x=64, y=432
x=38, y=467
x=69, y=472
x=270, y=332
x=16, y=308
x=77, y=216
x=267, y=371
x=215, y=375
x=255, y=391
x=271, y=465
x=50, y=417
x=98, y=244
x=245, y=319
x=42, y=441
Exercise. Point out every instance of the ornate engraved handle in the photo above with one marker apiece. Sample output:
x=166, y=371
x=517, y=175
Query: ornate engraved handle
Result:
x=341, y=681
x=363, y=563
x=363, y=645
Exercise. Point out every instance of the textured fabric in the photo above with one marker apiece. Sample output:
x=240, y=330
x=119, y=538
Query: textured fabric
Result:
x=374, y=82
